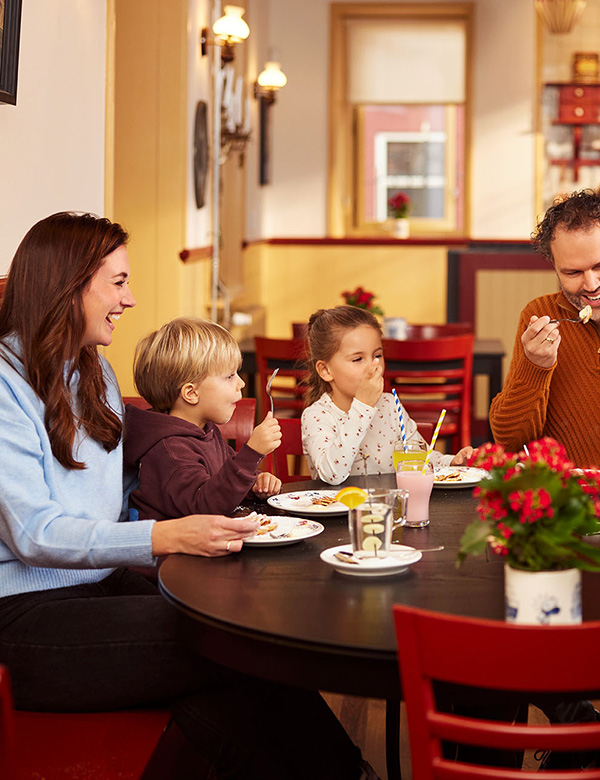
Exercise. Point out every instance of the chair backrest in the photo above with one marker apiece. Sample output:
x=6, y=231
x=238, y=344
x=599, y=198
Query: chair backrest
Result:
x=239, y=428
x=434, y=374
x=7, y=728
x=289, y=356
x=136, y=400
x=426, y=430
x=300, y=330
x=496, y=656
x=288, y=460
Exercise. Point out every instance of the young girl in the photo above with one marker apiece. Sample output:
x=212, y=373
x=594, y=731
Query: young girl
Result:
x=349, y=416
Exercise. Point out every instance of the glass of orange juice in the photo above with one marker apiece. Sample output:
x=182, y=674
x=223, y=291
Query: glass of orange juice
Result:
x=414, y=451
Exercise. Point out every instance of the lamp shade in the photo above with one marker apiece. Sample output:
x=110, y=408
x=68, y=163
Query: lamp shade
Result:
x=231, y=26
x=559, y=16
x=272, y=77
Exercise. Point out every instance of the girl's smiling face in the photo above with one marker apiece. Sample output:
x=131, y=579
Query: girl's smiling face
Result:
x=360, y=348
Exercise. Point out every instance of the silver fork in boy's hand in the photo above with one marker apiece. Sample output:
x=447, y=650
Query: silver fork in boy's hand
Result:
x=269, y=383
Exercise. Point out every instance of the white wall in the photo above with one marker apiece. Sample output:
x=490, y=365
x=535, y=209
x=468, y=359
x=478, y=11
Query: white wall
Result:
x=503, y=172
x=52, y=141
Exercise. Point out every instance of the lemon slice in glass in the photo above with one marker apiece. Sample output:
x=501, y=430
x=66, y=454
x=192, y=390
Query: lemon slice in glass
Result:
x=352, y=496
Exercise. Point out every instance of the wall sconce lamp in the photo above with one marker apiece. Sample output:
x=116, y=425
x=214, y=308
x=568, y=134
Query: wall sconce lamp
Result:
x=269, y=82
x=266, y=86
x=228, y=30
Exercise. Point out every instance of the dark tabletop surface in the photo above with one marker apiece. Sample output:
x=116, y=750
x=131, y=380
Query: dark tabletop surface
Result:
x=285, y=610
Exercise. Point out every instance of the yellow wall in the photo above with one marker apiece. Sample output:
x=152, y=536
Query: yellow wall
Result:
x=292, y=281
x=150, y=167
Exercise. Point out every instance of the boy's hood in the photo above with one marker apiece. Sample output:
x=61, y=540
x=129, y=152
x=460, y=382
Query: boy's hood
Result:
x=144, y=428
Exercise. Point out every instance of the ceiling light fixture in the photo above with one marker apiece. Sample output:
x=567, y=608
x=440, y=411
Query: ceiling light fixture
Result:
x=559, y=16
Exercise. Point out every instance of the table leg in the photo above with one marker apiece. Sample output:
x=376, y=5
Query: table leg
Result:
x=392, y=739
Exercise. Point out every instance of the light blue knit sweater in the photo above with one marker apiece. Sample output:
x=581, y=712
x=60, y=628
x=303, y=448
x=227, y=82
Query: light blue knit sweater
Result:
x=58, y=527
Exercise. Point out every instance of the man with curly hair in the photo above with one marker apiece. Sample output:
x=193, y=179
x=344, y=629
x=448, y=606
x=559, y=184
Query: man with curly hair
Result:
x=553, y=384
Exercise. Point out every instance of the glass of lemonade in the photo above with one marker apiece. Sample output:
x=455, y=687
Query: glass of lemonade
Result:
x=414, y=451
x=414, y=476
x=371, y=523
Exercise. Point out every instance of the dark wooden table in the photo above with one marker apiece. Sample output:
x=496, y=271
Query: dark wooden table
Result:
x=281, y=614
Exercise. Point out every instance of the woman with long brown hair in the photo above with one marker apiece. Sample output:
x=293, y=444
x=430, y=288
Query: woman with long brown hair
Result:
x=78, y=630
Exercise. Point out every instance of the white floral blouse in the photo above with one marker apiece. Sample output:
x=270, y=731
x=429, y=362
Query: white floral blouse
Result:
x=335, y=442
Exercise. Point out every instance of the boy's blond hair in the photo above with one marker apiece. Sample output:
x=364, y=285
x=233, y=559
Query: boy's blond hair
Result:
x=184, y=350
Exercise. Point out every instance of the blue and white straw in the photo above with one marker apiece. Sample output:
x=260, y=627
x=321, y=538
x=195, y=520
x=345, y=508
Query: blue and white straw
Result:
x=399, y=408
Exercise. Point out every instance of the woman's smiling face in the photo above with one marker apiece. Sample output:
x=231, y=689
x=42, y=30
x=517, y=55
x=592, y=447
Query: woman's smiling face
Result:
x=106, y=298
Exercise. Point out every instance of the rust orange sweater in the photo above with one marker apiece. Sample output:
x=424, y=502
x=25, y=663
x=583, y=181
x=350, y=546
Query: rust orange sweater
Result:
x=562, y=401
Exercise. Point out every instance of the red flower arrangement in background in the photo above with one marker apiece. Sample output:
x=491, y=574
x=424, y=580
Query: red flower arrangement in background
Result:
x=362, y=299
x=399, y=205
x=534, y=509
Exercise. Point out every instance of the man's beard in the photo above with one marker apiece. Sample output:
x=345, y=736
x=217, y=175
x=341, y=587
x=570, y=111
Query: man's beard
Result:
x=579, y=302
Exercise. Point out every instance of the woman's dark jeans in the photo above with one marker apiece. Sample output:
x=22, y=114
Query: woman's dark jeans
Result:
x=115, y=645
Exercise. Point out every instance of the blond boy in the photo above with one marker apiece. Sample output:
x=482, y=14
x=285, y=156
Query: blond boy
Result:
x=187, y=372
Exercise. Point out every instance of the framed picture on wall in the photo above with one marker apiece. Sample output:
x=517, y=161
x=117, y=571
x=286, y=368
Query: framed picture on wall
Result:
x=10, y=33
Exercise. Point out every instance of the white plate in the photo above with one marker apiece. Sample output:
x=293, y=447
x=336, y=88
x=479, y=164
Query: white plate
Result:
x=301, y=529
x=301, y=502
x=462, y=477
x=395, y=562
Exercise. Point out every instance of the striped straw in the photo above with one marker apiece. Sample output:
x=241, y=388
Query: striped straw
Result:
x=399, y=408
x=433, y=439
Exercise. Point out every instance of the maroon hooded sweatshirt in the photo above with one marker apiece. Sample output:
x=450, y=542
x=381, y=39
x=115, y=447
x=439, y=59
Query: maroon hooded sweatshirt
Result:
x=184, y=469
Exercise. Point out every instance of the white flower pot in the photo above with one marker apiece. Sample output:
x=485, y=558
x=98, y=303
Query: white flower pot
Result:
x=401, y=228
x=548, y=598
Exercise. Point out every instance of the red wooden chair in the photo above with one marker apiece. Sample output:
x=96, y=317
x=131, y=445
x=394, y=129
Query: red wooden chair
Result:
x=426, y=430
x=288, y=458
x=434, y=374
x=239, y=429
x=95, y=746
x=496, y=656
x=288, y=355
x=300, y=330
x=136, y=400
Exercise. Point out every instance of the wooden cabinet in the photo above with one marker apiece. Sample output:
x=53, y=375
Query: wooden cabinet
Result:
x=571, y=127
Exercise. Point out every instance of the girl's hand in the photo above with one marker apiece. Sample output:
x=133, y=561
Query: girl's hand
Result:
x=266, y=437
x=267, y=484
x=209, y=535
x=370, y=389
x=462, y=456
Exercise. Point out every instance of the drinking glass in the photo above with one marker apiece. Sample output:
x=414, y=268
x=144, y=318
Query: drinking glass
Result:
x=371, y=522
x=414, y=476
x=414, y=451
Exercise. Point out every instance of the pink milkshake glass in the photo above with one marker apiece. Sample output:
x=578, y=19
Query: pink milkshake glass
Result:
x=418, y=481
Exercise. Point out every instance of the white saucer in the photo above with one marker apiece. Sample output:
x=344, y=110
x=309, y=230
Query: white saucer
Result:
x=395, y=562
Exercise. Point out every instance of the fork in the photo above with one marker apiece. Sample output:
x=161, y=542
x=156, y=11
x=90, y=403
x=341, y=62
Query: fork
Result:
x=269, y=383
x=568, y=319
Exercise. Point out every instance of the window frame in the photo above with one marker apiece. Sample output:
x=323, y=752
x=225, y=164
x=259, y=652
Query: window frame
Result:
x=345, y=193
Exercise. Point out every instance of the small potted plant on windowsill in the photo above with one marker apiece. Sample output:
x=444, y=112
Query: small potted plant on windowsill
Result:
x=536, y=510
x=399, y=206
